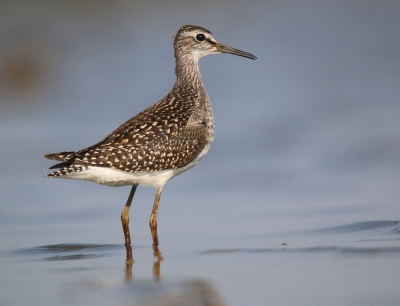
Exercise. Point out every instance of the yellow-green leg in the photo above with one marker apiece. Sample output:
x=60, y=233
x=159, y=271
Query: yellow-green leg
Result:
x=125, y=216
x=153, y=217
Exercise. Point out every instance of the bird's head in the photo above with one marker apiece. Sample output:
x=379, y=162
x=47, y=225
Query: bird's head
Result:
x=197, y=42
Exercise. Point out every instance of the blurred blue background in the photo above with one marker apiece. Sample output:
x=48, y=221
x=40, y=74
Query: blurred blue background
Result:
x=307, y=136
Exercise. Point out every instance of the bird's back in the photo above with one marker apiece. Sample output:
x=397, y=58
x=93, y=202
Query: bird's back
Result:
x=168, y=135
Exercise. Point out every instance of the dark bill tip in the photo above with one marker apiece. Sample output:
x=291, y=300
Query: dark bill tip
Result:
x=226, y=49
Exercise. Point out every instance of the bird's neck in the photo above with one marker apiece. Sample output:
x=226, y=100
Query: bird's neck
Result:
x=190, y=89
x=188, y=74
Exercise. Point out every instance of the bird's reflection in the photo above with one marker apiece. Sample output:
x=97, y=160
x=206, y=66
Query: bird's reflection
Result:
x=129, y=263
x=157, y=263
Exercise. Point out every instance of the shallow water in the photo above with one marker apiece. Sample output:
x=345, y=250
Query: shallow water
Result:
x=297, y=201
x=355, y=264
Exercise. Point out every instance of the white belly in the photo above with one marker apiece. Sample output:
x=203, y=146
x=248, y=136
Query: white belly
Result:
x=117, y=178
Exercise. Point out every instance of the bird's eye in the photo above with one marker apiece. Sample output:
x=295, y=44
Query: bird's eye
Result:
x=200, y=37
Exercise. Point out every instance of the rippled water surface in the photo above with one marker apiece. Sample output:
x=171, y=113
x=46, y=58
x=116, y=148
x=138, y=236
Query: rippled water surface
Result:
x=355, y=264
x=297, y=201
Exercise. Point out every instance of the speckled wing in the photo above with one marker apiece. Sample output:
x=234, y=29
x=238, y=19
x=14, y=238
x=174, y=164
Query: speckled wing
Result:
x=153, y=140
x=164, y=152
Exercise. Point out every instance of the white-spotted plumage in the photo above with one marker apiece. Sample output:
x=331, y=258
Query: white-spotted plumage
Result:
x=117, y=178
x=160, y=142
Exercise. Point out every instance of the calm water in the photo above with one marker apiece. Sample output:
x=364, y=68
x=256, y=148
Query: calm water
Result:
x=297, y=202
x=354, y=264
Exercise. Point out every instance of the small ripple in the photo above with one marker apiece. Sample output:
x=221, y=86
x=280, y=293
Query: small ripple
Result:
x=72, y=257
x=60, y=252
x=385, y=226
x=313, y=249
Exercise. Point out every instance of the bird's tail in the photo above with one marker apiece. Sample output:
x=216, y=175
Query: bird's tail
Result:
x=61, y=156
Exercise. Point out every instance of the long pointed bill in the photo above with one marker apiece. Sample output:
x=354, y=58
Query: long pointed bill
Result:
x=226, y=49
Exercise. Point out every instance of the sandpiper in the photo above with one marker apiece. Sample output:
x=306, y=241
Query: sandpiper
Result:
x=160, y=142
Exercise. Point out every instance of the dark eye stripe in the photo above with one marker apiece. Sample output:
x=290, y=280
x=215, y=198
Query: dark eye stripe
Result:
x=211, y=42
